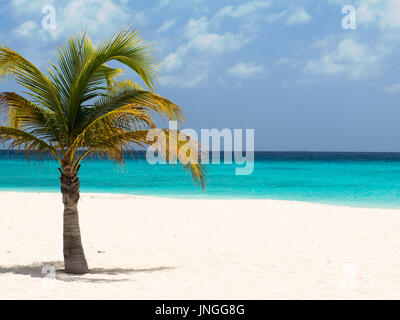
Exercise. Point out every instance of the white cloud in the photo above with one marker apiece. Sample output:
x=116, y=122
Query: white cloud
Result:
x=194, y=54
x=200, y=40
x=365, y=56
x=195, y=27
x=212, y=42
x=186, y=80
x=24, y=6
x=189, y=65
x=215, y=43
x=194, y=60
x=394, y=88
x=167, y=25
x=351, y=58
x=245, y=69
x=32, y=33
x=384, y=13
x=298, y=16
x=164, y=2
x=172, y=61
x=274, y=17
x=96, y=16
x=394, y=13
x=291, y=16
x=26, y=29
x=244, y=9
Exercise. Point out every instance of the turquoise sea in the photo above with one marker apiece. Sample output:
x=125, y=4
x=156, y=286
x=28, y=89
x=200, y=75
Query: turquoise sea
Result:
x=355, y=179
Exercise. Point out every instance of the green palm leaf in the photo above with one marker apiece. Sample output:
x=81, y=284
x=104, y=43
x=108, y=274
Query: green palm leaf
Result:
x=40, y=88
x=80, y=106
x=22, y=140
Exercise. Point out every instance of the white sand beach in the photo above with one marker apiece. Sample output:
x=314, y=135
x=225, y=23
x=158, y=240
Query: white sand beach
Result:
x=158, y=248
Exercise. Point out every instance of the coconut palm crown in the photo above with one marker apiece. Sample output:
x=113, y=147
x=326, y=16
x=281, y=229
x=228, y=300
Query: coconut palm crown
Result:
x=78, y=108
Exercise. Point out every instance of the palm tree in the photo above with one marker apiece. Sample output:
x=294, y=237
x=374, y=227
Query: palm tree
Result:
x=79, y=108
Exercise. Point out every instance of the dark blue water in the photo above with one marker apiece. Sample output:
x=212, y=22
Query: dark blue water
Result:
x=356, y=179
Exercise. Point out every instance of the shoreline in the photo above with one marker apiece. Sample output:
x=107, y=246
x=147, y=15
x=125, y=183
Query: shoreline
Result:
x=208, y=198
x=161, y=248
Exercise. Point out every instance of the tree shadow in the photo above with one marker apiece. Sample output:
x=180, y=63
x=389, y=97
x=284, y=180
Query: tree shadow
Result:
x=41, y=269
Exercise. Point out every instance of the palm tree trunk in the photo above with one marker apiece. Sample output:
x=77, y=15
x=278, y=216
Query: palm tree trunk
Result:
x=74, y=257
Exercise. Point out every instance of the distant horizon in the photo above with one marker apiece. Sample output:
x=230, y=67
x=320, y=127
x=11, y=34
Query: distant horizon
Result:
x=258, y=151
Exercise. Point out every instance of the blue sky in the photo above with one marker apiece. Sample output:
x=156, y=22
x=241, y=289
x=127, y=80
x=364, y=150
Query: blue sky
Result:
x=285, y=68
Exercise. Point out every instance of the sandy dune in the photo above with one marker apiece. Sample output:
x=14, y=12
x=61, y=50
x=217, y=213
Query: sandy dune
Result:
x=156, y=248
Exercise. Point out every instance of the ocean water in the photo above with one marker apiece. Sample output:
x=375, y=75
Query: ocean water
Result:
x=351, y=179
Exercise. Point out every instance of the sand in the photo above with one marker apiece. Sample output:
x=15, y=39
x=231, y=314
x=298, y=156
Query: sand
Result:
x=157, y=248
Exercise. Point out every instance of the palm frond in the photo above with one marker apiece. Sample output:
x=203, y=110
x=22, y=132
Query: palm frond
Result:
x=22, y=140
x=126, y=47
x=186, y=151
x=71, y=59
x=113, y=123
x=128, y=93
x=23, y=113
x=41, y=88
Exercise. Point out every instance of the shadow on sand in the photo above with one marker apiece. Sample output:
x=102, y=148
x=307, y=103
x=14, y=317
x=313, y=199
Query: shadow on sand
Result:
x=36, y=270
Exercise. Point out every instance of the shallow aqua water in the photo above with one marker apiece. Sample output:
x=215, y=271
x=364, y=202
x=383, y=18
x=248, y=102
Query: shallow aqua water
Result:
x=356, y=179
